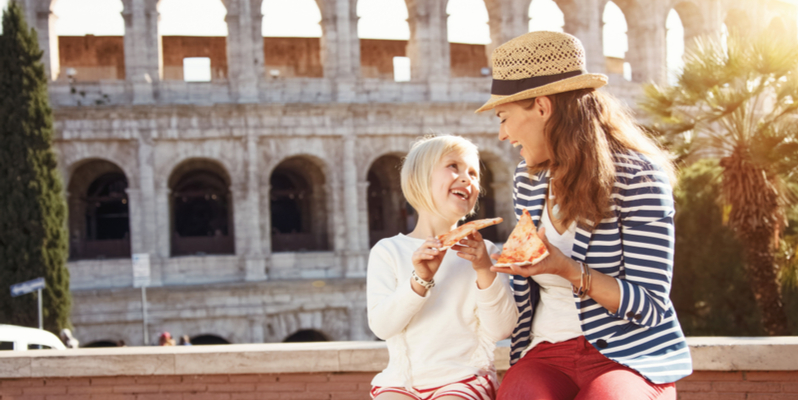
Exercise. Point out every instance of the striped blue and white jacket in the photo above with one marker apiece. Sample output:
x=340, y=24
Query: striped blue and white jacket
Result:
x=635, y=246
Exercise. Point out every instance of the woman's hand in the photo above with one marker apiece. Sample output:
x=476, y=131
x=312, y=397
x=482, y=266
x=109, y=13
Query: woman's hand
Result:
x=426, y=261
x=604, y=290
x=472, y=248
x=556, y=263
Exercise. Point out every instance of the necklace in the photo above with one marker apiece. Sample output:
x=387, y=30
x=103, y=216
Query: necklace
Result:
x=552, y=198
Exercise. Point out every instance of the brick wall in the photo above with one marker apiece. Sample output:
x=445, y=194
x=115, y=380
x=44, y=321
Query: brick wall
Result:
x=739, y=385
x=312, y=386
x=711, y=385
x=93, y=57
x=103, y=57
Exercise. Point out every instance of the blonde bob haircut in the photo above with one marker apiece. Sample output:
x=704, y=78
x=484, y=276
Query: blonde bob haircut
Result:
x=418, y=165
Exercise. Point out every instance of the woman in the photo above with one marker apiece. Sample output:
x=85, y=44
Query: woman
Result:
x=596, y=321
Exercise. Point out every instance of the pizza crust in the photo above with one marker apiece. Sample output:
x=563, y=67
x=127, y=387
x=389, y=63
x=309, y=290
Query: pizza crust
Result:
x=524, y=263
x=464, y=230
x=523, y=243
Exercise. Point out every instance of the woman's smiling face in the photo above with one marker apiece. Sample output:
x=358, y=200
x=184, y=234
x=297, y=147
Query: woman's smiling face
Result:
x=524, y=125
x=455, y=184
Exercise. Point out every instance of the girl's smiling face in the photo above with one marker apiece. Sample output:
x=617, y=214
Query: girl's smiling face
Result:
x=455, y=184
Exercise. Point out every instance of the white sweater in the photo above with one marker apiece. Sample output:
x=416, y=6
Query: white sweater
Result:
x=444, y=337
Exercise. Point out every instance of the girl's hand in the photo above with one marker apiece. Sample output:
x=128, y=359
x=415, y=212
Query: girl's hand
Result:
x=556, y=263
x=473, y=248
x=427, y=259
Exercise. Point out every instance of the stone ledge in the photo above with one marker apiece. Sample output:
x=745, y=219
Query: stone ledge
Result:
x=708, y=354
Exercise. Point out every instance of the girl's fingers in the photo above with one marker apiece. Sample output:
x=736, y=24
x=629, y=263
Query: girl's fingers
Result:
x=432, y=252
x=494, y=256
x=470, y=257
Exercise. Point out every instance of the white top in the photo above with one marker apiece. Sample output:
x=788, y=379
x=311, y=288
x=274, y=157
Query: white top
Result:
x=556, y=317
x=444, y=337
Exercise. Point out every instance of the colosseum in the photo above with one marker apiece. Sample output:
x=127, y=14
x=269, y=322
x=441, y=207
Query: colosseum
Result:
x=257, y=192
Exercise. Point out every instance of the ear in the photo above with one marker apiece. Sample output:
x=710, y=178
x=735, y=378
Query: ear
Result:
x=544, y=107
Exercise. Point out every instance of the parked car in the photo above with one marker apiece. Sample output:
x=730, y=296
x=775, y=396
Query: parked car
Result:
x=20, y=338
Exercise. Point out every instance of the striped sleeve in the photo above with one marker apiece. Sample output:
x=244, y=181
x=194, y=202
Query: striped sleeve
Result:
x=646, y=215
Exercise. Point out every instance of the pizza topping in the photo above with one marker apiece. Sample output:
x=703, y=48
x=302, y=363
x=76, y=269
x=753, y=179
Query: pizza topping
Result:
x=450, y=238
x=523, y=245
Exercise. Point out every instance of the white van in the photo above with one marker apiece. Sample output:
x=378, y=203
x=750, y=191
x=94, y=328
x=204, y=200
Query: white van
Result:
x=20, y=338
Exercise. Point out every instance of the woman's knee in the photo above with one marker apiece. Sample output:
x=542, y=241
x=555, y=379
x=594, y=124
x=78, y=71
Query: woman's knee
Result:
x=625, y=384
x=533, y=380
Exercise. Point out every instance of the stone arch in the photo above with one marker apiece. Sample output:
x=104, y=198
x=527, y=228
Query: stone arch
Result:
x=782, y=26
x=187, y=152
x=101, y=343
x=495, y=200
x=637, y=64
x=295, y=52
x=467, y=35
x=332, y=322
x=737, y=20
x=377, y=49
x=298, y=204
x=307, y=335
x=545, y=15
x=99, y=224
x=370, y=150
x=208, y=339
x=388, y=213
x=73, y=155
x=615, y=53
x=193, y=40
x=201, y=208
x=92, y=51
x=691, y=16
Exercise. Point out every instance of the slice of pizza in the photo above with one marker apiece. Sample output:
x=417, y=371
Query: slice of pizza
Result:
x=523, y=246
x=450, y=238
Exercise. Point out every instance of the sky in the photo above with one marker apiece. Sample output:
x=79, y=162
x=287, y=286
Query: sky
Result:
x=379, y=19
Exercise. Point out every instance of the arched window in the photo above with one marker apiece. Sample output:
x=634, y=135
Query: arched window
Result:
x=388, y=211
x=98, y=218
x=545, y=15
x=383, y=32
x=202, y=221
x=193, y=39
x=615, y=40
x=90, y=49
x=291, y=33
x=486, y=204
x=201, y=340
x=298, y=207
x=101, y=343
x=306, y=335
x=737, y=21
x=468, y=34
x=675, y=46
x=106, y=18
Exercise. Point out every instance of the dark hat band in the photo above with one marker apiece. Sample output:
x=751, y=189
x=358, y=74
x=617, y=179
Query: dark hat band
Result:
x=509, y=87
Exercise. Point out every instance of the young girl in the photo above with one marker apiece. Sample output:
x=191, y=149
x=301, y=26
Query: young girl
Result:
x=440, y=311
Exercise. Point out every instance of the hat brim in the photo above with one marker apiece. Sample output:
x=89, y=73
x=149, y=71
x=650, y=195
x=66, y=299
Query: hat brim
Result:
x=585, y=81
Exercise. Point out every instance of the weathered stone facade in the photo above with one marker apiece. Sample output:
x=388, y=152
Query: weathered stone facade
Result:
x=250, y=142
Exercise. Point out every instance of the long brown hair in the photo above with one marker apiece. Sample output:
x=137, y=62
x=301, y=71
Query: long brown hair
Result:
x=584, y=132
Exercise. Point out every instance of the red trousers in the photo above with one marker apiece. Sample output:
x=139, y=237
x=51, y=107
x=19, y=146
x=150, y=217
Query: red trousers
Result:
x=576, y=370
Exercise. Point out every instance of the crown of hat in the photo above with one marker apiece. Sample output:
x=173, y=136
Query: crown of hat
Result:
x=538, y=54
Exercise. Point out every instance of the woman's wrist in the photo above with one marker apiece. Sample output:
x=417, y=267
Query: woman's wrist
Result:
x=572, y=271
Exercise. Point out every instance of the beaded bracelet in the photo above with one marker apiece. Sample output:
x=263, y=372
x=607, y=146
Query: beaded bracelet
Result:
x=426, y=284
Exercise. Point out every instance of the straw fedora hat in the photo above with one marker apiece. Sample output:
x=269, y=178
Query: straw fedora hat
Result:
x=537, y=64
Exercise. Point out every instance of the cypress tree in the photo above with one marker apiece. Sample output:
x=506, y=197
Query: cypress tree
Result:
x=33, y=210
